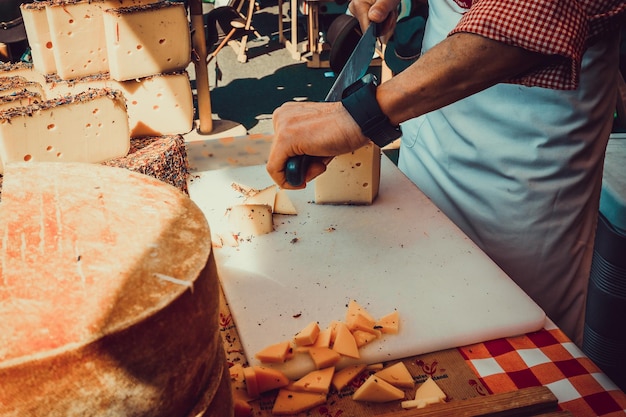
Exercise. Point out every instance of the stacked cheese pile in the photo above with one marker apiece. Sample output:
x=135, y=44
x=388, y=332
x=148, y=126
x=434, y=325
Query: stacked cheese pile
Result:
x=109, y=296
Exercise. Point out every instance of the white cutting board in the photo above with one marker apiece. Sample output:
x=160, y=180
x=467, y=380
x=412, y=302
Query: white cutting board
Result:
x=399, y=253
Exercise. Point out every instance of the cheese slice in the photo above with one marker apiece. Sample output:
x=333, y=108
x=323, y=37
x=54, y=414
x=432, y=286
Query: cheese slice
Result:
x=315, y=381
x=344, y=343
x=308, y=335
x=264, y=379
x=22, y=69
x=362, y=322
x=354, y=310
x=426, y=394
x=19, y=99
x=293, y=402
x=265, y=196
x=89, y=127
x=323, y=357
x=35, y=19
x=283, y=204
x=397, y=375
x=389, y=324
x=342, y=378
x=251, y=219
x=351, y=178
x=323, y=338
x=377, y=390
x=363, y=338
x=16, y=83
x=147, y=40
x=276, y=353
x=76, y=33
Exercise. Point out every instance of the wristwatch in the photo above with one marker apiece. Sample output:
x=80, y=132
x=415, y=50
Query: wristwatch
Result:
x=359, y=99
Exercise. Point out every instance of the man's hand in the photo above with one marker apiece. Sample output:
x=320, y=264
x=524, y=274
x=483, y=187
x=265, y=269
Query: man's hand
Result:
x=321, y=130
x=376, y=11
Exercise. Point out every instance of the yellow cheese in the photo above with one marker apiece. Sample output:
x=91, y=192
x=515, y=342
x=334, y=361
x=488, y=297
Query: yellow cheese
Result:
x=251, y=219
x=343, y=377
x=323, y=338
x=147, y=40
x=389, y=324
x=397, y=375
x=22, y=69
x=276, y=353
x=354, y=310
x=315, y=381
x=351, y=178
x=284, y=205
x=377, y=390
x=344, y=342
x=362, y=338
x=265, y=196
x=308, y=335
x=39, y=38
x=427, y=393
x=89, y=127
x=76, y=30
x=16, y=83
x=362, y=322
x=19, y=99
x=323, y=357
x=267, y=379
x=293, y=402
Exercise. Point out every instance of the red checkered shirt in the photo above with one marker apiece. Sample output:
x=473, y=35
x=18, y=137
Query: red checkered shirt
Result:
x=553, y=27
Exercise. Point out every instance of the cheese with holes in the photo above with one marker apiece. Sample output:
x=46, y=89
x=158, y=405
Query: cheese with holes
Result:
x=147, y=40
x=39, y=37
x=315, y=381
x=251, y=219
x=293, y=402
x=88, y=127
x=397, y=375
x=76, y=31
x=377, y=390
x=342, y=378
x=351, y=178
x=100, y=266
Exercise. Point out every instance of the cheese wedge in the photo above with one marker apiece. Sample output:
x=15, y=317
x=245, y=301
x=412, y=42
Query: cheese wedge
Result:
x=89, y=127
x=260, y=379
x=352, y=178
x=426, y=394
x=344, y=343
x=377, y=390
x=276, y=353
x=363, y=338
x=147, y=40
x=251, y=219
x=354, y=310
x=37, y=29
x=315, y=381
x=265, y=196
x=323, y=357
x=308, y=335
x=389, y=324
x=362, y=322
x=323, y=338
x=293, y=402
x=283, y=204
x=397, y=375
x=342, y=378
x=76, y=30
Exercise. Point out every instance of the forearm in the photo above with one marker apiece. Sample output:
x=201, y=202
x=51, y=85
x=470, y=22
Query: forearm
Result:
x=459, y=66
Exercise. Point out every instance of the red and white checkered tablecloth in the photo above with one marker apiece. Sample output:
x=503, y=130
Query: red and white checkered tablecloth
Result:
x=548, y=358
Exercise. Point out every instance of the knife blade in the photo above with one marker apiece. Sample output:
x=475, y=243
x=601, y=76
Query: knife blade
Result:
x=355, y=68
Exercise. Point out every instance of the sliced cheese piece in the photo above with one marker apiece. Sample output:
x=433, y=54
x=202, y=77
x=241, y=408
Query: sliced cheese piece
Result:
x=362, y=322
x=323, y=357
x=315, y=381
x=88, y=127
x=283, y=204
x=430, y=389
x=19, y=99
x=252, y=387
x=342, y=378
x=147, y=40
x=351, y=178
x=251, y=219
x=363, y=338
x=389, y=324
x=323, y=338
x=293, y=402
x=276, y=353
x=355, y=310
x=397, y=375
x=39, y=38
x=16, y=83
x=308, y=335
x=22, y=69
x=268, y=379
x=265, y=196
x=344, y=343
x=377, y=390
x=76, y=33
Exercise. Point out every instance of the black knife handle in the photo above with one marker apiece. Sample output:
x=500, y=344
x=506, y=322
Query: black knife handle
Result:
x=296, y=168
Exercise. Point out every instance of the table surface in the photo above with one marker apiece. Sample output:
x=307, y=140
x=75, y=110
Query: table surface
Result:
x=546, y=357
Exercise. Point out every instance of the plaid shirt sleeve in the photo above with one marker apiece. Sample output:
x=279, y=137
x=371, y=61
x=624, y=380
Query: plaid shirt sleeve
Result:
x=552, y=27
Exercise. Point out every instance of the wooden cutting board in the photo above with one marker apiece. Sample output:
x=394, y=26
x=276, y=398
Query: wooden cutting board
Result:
x=399, y=253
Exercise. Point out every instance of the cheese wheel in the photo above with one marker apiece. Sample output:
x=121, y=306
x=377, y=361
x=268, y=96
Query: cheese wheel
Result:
x=109, y=295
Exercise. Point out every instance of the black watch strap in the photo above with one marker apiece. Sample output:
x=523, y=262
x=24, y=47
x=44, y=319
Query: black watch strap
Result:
x=359, y=100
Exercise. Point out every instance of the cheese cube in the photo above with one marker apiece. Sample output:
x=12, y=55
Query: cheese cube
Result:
x=147, y=40
x=89, y=127
x=76, y=32
x=351, y=178
x=39, y=37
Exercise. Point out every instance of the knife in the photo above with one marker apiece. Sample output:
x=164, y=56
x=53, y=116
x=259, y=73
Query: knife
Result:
x=355, y=68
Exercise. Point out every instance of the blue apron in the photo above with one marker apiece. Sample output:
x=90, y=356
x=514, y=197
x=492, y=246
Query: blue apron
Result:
x=519, y=170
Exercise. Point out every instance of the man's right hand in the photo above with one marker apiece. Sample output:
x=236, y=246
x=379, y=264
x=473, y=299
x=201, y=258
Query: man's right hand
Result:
x=376, y=11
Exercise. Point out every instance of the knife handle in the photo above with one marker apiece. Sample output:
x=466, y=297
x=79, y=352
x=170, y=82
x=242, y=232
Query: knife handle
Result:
x=296, y=168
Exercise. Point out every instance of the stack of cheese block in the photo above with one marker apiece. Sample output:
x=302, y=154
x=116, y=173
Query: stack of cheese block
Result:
x=106, y=72
x=109, y=296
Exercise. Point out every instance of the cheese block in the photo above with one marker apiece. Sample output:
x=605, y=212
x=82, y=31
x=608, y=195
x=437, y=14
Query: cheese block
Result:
x=110, y=295
x=351, y=178
x=35, y=19
x=88, y=127
x=377, y=390
x=342, y=378
x=308, y=335
x=251, y=219
x=16, y=83
x=76, y=31
x=293, y=402
x=19, y=99
x=22, y=69
x=147, y=40
x=315, y=381
x=397, y=375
